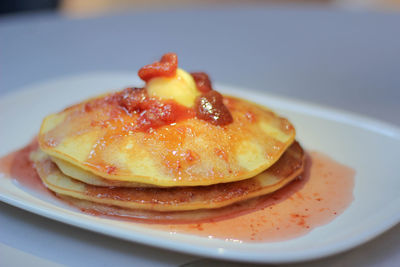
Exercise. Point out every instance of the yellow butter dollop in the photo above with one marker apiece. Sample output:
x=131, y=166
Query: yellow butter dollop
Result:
x=180, y=88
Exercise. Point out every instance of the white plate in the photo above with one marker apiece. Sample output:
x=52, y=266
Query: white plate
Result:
x=368, y=146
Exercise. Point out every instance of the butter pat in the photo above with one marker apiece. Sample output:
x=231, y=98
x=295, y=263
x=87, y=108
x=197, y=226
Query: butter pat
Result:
x=180, y=88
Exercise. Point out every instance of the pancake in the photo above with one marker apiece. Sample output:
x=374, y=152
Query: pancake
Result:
x=90, y=178
x=171, y=217
x=175, y=146
x=289, y=166
x=100, y=137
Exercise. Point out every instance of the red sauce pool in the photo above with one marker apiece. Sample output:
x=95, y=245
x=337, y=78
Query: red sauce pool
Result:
x=324, y=191
x=316, y=199
x=18, y=166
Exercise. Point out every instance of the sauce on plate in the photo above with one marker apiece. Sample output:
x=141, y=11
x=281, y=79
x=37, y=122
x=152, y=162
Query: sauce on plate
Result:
x=320, y=195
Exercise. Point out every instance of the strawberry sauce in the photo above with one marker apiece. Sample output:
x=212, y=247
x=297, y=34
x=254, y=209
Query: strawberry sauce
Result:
x=320, y=195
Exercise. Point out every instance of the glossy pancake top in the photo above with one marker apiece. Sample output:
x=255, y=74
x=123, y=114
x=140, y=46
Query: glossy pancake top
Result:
x=100, y=136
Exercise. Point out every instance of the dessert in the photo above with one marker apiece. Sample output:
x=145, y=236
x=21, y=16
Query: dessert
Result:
x=175, y=145
x=178, y=156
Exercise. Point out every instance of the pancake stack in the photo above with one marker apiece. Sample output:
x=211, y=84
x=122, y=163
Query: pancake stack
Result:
x=143, y=152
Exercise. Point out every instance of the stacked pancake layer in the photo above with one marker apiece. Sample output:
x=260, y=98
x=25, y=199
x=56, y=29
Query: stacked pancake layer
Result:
x=91, y=152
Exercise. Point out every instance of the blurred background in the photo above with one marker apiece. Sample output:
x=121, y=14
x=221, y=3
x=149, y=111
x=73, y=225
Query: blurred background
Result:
x=340, y=53
x=97, y=7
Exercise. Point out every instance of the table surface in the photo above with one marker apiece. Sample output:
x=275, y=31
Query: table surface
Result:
x=344, y=59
